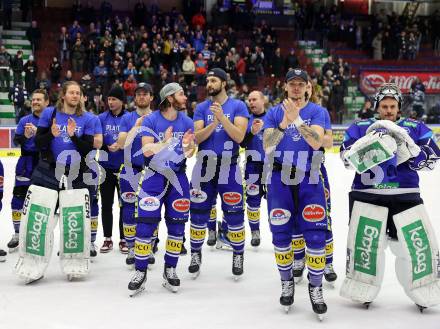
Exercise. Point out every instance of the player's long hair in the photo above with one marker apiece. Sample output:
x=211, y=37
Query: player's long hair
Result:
x=314, y=96
x=60, y=102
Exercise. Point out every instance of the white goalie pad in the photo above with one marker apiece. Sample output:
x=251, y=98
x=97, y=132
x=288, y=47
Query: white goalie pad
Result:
x=417, y=261
x=36, y=232
x=75, y=232
x=370, y=151
x=365, y=252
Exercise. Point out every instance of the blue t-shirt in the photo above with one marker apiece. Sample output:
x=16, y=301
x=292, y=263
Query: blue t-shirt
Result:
x=406, y=177
x=110, y=125
x=29, y=144
x=232, y=108
x=155, y=126
x=293, y=148
x=256, y=144
x=85, y=125
x=128, y=121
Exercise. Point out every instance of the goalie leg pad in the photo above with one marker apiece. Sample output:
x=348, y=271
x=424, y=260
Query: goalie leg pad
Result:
x=417, y=256
x=75, y=232
x=365, y=252
x=36, y=233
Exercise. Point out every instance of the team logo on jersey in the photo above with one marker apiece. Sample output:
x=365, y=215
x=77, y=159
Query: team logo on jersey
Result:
x=129, y=197
x=231, y=198
x=279, y=216
x=313, y=213
x=252, y=189
x=198, y=196
x=149, y=203
x=181, y=205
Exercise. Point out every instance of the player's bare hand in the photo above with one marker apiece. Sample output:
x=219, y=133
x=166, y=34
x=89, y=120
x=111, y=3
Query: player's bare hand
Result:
x=139, y=121
x=217, y=110
x=168, y=133
x=54, y=128
x=113, y=148
x=188, y=138
x=291, y=110
x=257, y=125
x=71, y=126
x=29, y=130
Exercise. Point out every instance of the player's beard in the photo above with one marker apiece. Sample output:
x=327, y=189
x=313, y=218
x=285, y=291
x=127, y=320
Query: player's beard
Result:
x=214, y=92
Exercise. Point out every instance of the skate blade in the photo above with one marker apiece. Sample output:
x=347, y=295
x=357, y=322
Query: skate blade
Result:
x=137, y=292
x=195, y=275
x=287, y=309
x=12, y=250
x=2, y=259
x=297, y=279
x=320, y=317
x=236, y=277
x=169, y=287
x=30, y=281
x=222, y=246
x=331, y=284
x=367, y=305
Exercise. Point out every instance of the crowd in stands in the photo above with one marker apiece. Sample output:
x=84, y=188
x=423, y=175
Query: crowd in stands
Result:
x=102, y=48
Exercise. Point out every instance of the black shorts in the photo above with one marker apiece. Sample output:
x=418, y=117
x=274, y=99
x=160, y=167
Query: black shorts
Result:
x=395, y=204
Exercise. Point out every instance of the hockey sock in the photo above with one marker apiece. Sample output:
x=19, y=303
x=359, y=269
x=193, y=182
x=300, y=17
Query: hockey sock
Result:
x=329, y=247
x=143, y=245
x=315, y=255
x=212, y=219
x=284, y=259
x=174, y=243
x=298, y=246
x=16, y=205
x=253, y=214
x=236, y=236
x=129, y=224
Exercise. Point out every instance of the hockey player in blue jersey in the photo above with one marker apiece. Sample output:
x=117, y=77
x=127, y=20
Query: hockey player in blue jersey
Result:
x=2, y=172
x=220, y=125
x=130, y=140
x=293, y=135
x=25, y=137
x=253, y=143
x=385, y=204
x=298, y=243
x=111, y=122
x=65, y=138
x=167, y=140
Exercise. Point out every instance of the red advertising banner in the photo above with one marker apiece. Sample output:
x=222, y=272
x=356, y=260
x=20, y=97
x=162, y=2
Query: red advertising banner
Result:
x=371, y=80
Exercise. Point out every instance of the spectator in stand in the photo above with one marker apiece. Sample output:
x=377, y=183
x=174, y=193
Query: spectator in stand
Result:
x=403, y=46
x=146, y=72
x=201, y=69
x=198, y=42
x=418, y=105
x=74, y=29
x=337, y=100
x=377, y=47
x=91, y=55
x=326, y=92
x=329, y=66
x=30, y=74
x=199, y=19
x=64, y=45
x=17, y=95
x=5, y=66
x=100, y=73
x=120, y=43
x=243, y=95
x=278, y=91
x=291, y=61
x=129, y=87
x=366, y=111
x=33, y=34
x=412, y=46
x=67, y=77
x=277, y=64
x=78, y=56
x=17, y=66
x=130, y=70
x=55, y=69
x=188, y=69
x=7, y=14
x=44, y=82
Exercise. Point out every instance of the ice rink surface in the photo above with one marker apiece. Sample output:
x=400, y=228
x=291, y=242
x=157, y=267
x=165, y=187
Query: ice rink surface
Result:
x=214, y=300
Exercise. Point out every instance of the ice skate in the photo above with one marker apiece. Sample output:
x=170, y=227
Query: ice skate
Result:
x=129, y=261
x=30, y=281
x=13, y=243
x=151, y=261
x=317, y=300
x=298, y=270
x=171, y=280
x=183, y=251
x=212, y=238
x=421, y=308
x=287, y=294
x=194, y=266
x=237, y=265
x=93, y=252
x=255, y=238
x=2, y=255
x=137, y=283
x=330, y=274
x=367, y=305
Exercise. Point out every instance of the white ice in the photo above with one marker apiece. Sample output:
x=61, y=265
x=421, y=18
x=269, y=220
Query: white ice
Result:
x=214, y=300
